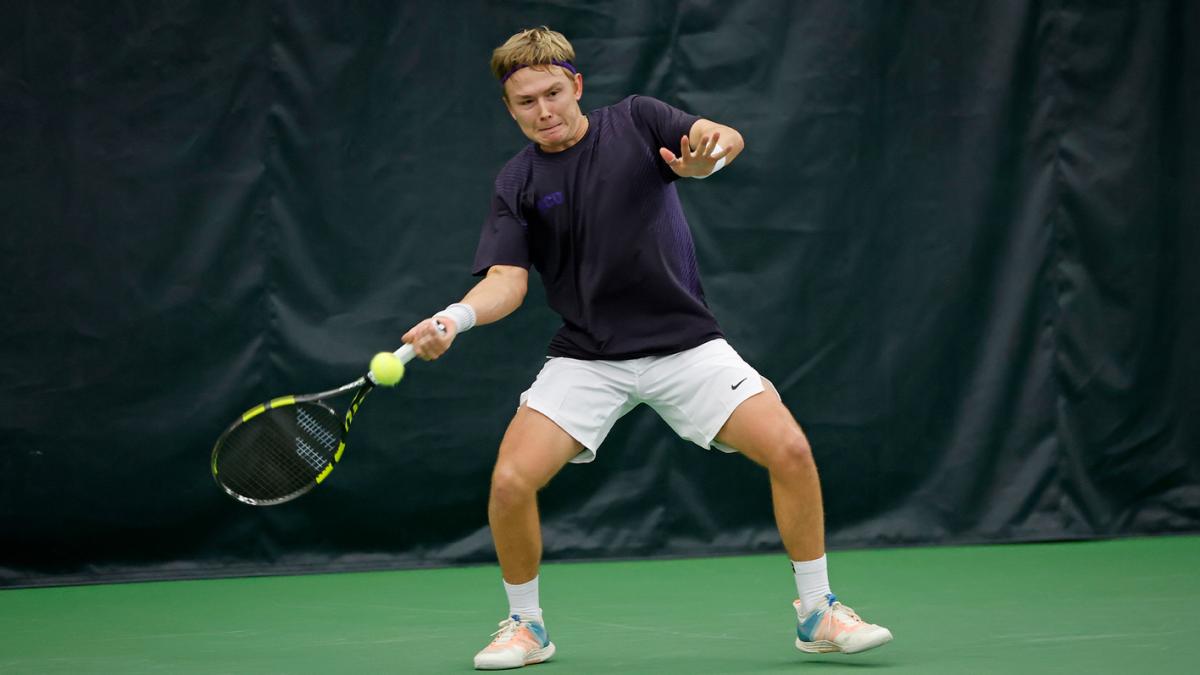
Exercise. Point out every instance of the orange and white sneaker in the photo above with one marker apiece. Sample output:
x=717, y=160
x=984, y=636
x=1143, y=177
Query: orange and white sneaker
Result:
x=835, y=627
x=517, y=643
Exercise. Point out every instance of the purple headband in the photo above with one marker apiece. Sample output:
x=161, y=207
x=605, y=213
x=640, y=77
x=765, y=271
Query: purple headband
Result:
x=561, y=64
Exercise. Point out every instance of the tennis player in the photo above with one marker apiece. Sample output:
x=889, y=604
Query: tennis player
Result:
x=591, y=204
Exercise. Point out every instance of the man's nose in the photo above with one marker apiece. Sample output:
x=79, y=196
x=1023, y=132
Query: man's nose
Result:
x=543, y=108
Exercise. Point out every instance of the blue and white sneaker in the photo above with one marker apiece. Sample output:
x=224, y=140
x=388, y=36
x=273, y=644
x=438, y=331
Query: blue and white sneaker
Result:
x=834, y=627
x=517, y=643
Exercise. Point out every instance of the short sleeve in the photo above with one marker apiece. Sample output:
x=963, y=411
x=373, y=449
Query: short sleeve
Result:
x=503, y=240
x=665, y=123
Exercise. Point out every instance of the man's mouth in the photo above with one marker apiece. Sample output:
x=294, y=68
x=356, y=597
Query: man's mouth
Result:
x=551, y=128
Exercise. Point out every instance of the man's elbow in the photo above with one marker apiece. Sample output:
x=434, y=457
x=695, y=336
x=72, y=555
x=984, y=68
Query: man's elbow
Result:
x=515, y=281
x=733, y=140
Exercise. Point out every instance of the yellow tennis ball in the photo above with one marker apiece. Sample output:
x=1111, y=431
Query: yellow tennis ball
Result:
x=386, y=369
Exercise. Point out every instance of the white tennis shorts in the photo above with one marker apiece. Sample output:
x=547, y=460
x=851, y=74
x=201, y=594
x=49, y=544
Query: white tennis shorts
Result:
x=694, y=391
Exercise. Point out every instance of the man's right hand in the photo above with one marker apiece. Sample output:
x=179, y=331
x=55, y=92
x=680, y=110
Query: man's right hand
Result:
x=428, y=342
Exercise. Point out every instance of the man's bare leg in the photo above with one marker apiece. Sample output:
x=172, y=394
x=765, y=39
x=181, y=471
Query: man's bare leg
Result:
x=534, y=449
x=763, y=430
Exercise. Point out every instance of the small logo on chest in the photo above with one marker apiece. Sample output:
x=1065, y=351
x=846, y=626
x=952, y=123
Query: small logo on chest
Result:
x=549, y=201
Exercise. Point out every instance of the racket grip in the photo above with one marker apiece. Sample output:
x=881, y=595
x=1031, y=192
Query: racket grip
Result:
x=406, y=353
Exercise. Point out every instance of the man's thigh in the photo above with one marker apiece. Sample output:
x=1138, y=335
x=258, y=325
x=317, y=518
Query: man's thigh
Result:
x=761, y=426
x=535, y=447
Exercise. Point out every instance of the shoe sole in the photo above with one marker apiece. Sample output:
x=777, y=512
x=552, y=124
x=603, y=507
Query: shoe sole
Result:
x=536, y=656
x=827, y=647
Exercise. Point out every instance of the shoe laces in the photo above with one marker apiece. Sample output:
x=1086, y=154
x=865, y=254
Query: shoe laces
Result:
x=508, y=628
x=845, y=612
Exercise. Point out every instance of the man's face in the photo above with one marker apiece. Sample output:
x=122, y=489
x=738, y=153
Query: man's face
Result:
x=544, y=100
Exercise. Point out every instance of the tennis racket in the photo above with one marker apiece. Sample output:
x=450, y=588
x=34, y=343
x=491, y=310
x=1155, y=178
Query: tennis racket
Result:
x=282, y=449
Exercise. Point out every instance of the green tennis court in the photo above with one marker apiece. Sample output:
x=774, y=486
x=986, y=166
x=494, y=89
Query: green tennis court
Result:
x=1093, y=607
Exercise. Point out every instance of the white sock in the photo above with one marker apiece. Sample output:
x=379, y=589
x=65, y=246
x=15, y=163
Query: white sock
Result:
x=812, y=583
x=523, y=600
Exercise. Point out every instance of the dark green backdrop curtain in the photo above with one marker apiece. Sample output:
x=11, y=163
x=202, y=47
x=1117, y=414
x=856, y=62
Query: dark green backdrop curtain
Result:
x=961, y=241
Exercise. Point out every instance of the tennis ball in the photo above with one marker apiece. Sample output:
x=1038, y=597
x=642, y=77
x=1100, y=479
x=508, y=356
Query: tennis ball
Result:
x=386, y=369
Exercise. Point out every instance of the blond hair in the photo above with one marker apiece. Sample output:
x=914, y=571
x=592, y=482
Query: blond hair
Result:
x=532, y=47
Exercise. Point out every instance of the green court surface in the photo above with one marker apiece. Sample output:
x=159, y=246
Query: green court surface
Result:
x=1123, y=606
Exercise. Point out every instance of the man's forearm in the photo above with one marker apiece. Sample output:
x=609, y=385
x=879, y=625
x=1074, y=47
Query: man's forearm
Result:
x=730, y=138
x=499, y=294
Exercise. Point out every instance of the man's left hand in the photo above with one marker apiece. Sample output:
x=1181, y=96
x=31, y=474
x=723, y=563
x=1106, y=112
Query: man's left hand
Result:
x=692, y=163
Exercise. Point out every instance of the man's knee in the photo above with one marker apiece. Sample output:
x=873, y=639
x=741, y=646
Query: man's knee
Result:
x=792, y=454
x=510, y=487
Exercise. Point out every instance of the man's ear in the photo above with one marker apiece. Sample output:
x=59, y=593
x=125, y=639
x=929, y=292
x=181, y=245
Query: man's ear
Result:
x=578, y=86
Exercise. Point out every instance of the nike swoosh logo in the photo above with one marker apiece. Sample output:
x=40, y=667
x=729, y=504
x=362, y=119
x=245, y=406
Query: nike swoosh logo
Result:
x=735, y=386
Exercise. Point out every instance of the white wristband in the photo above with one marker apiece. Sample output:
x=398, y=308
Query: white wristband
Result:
x=720, y=162
x=462, y=314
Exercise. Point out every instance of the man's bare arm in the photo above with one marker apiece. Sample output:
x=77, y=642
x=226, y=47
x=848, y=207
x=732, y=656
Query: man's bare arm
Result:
x=496, y=296
x=499, y=293
x=729, y=137
x=707, y=148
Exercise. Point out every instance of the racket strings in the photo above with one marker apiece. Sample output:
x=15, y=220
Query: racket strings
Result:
x=311, y=426
x=278, y=453
x=265, y=467
x=306, y=453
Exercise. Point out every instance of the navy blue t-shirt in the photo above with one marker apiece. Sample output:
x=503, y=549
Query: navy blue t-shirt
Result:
x=602, y=224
